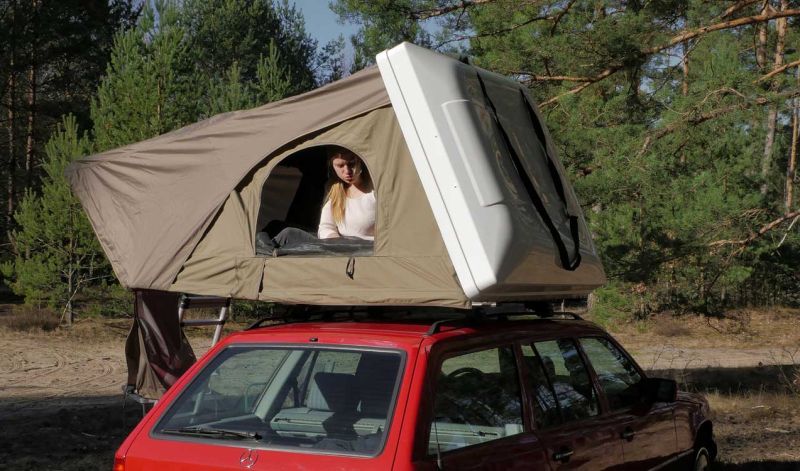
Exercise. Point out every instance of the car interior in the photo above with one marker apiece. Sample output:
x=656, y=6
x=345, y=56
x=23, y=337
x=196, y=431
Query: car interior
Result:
x=474, y=405
x=341, y=403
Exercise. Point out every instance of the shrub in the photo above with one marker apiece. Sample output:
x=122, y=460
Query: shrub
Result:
x=28, y=319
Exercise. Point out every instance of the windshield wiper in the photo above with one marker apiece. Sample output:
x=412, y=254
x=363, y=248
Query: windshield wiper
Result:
x=213, y=432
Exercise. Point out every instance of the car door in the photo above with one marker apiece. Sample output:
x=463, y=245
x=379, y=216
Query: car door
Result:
x=645, y=429
x=566, y=408
x=478, y=419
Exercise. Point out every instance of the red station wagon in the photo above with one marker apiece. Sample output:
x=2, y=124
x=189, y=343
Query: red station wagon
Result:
x=488, y=390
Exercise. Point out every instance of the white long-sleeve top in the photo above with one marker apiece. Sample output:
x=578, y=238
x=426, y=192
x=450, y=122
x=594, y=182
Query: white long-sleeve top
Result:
x=359, y=219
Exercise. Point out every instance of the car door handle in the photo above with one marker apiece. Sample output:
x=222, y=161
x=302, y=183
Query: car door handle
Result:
x=627, y=434
x=563, y=455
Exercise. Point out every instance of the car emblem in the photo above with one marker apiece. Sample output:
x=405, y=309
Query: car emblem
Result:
x=248, y=459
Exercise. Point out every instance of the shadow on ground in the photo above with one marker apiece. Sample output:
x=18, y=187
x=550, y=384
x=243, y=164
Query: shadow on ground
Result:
x=68, y=439
x=754, y=379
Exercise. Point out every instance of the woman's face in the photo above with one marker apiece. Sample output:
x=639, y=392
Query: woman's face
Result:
x=347, y=168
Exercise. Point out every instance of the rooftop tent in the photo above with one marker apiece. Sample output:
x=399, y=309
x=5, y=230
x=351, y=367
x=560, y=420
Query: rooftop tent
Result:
x=472, y=204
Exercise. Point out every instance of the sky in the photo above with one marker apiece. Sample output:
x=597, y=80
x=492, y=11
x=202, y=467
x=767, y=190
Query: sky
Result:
x=322, y=24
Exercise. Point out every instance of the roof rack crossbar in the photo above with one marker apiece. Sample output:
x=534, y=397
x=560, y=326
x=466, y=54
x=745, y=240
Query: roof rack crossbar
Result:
x=498, y=312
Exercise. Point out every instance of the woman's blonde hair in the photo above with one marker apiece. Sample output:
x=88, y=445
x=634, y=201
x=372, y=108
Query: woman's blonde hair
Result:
x=337, y=190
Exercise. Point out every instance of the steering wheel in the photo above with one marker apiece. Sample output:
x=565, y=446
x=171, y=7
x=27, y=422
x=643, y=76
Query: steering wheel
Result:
x=464, y=370
x=470, y=408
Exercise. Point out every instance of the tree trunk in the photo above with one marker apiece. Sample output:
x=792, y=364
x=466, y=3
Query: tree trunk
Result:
x=791, y=168
x=29, y=145
x=769, y=141
x=68, y=314
x=685, y=86
x=772, y=115
x=11, y=164
x=761, y=46
x=32, y=73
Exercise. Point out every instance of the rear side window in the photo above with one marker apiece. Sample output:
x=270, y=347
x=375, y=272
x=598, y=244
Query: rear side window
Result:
x=315, y=399
x=545, y=405
x=477, y=400
x=569, y=379
x=615, y=371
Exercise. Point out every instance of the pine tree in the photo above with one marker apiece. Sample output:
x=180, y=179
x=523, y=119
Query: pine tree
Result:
x=147, y=89
x=58, y=253
x=52, y=55
x=165, y=72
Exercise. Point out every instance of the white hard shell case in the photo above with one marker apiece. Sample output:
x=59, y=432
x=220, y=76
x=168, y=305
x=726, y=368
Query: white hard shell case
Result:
x=499, y=243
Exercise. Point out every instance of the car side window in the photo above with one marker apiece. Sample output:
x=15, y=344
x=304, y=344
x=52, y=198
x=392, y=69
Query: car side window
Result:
x=569, y=378
x=615, y=371
x=477, y=400
x=545, y=406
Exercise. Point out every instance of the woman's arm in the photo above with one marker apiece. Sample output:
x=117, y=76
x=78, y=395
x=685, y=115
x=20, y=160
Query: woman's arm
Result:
x=327, y=226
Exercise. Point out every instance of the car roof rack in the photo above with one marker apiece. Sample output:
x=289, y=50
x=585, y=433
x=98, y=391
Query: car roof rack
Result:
x=505, y=311
x=441, y=316
x=298, y=313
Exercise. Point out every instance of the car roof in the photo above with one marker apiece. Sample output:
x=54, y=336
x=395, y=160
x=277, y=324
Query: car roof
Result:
x=393, y=333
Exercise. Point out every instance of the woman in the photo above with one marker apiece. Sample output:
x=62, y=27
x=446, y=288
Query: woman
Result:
x=349, y=209
x=348, y=215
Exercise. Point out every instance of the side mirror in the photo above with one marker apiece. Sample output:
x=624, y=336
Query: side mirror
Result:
x=660, y=390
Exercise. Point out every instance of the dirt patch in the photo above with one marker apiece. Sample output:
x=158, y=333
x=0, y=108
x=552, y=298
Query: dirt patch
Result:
x=61, y=405
x=757, y=427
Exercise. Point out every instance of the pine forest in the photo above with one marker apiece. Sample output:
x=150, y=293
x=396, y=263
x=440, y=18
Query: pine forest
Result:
x=677, y=120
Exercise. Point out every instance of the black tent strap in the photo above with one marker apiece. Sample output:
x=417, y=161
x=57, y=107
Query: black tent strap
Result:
x=574, y=227
x=530, y=189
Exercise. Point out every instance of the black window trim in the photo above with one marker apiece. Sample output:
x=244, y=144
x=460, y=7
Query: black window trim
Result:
x=531, y=398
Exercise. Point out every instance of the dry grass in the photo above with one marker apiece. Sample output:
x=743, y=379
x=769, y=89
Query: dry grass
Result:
x=743, y=328
x=28, y=319
x=671, y=327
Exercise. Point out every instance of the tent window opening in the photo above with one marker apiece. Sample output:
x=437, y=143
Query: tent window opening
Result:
x=318, y=201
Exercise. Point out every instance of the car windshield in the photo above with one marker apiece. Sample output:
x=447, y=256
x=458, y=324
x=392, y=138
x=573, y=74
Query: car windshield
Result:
x=330, y=400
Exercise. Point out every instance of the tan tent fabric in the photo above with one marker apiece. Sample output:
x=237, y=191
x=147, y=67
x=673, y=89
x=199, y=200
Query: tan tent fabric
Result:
x=151, y=202
x=410, y=264
x=180, y=212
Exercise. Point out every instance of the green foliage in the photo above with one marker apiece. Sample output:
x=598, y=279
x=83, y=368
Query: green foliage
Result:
x=669, y=177
x=58, y=253
x=251, y=311
x=106, y=300
x=181, y=62
x=272, y=82
x=148, y=87
x=383, y=22
x=221, y=33
x=52, y=54
x=613, y=304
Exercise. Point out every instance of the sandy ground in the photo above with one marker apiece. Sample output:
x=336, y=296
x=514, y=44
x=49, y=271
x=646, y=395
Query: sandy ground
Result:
x=39, y=374
x=61, y=405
